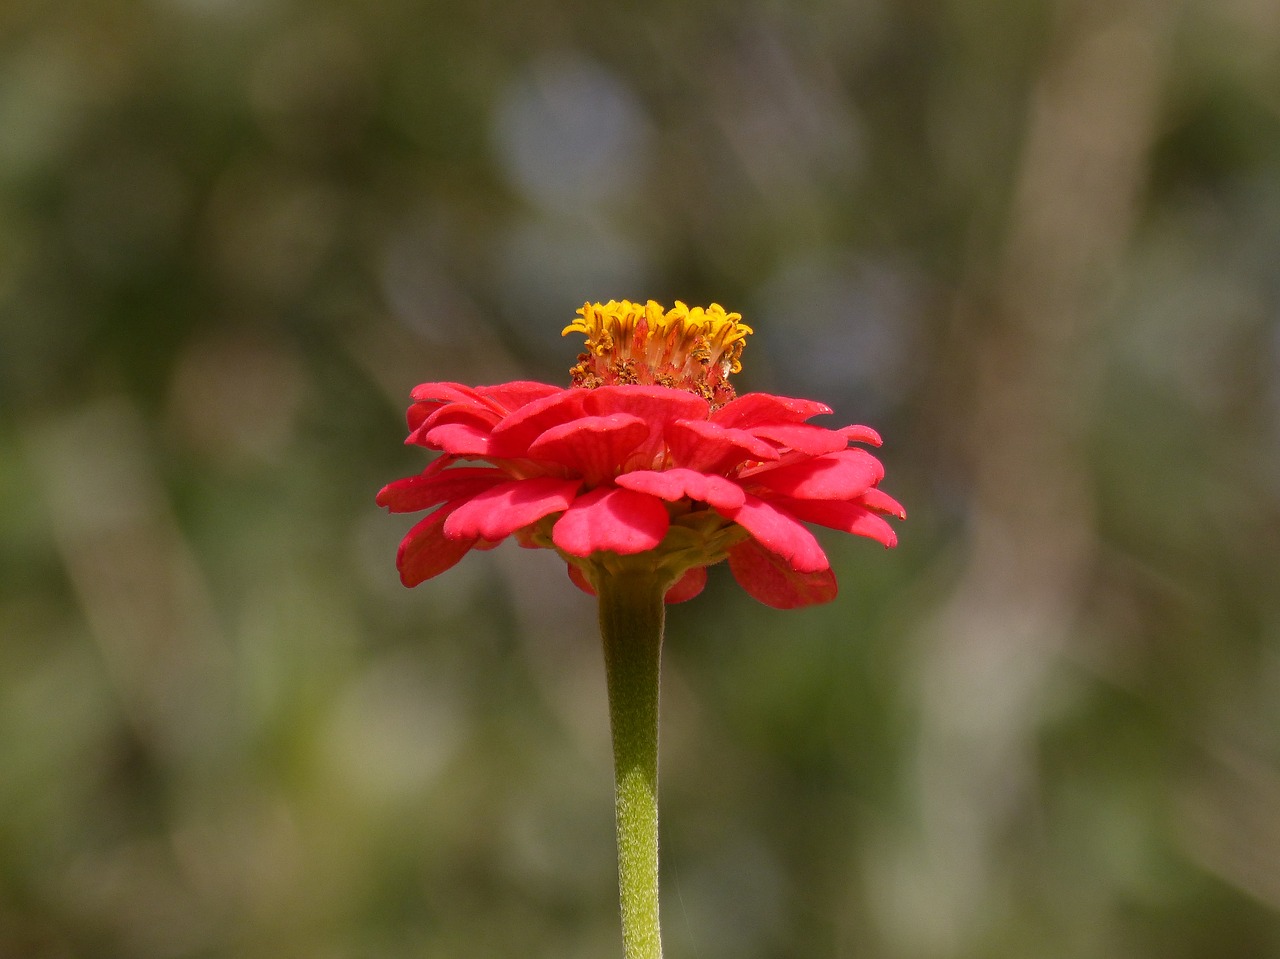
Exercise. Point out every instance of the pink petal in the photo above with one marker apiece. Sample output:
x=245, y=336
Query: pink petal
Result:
x=759, y=409
x=491, y=402
x=430, y=397
x=652, y=403
x=767, y=577
x=416, y=414
x=814, y=440
x=457, y=439
x=426, y=552
x=844, y=475
x=445, y=393
x=780, y=533
x=883, y=503
x=513, y=396
x=862, y=434
x=676, y=484
x=459, y=413
x=426, y=489
x=846, y=517
x=501, y=510
x=419, y=413
x=659, y=406
x=711, y=448
x=480, y=418
x=609, y=518
x=511, y=437
x=595, y=447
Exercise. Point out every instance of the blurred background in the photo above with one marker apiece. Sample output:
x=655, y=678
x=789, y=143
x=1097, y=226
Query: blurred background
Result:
x=1036, y=244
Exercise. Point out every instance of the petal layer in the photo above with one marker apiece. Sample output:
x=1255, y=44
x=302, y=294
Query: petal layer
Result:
x=511, y=437
x=780, y=533
x=480, y=418
x=712, y=448
x=884, y=503
x=659, y=406
x=426, y=552
x=843, y=475
x=501, y=510
x=413, y=493
x=611, y=518
x=862, y=434
x=676, y=484
x=758, y=409
x=594, y=446
x=767, y=577
x=445, y=393
x=512, y=396
x=814, y=440
x=846, y=517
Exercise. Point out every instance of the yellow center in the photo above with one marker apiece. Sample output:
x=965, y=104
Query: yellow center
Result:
x=689, y=349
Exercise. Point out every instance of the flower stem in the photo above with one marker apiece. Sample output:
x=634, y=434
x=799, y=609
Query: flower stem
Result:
x=631, y=621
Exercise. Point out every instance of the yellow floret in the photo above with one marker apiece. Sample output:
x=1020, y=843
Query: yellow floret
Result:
x=694, y=349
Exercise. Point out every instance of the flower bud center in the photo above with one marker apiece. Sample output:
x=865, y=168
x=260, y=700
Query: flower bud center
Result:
x=692, y=349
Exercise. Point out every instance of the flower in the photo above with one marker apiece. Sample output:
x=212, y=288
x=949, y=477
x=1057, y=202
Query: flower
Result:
x=648, y=461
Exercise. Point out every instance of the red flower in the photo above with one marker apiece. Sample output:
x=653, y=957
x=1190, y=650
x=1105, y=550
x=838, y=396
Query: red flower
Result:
x=628, y=472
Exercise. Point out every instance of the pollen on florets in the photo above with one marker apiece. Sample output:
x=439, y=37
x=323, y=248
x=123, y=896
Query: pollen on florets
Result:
x=694, y=349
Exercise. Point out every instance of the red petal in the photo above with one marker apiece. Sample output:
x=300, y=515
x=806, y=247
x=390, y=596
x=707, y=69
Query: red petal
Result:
x=675, y=484
x=846, y=517
x=781, y=533
x=580, y=580
x=840, y=476
x=426, y=552
x=884, y=503
x=596, y=447
x=767, y=577
x=501, y=510
x=759, y=409
x=814, y=440
x=413, y=493
x=711, y=448
x=687, y=586
x=614, y=519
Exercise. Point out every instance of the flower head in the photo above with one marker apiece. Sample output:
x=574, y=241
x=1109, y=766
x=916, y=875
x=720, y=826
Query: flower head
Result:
x=648, y=461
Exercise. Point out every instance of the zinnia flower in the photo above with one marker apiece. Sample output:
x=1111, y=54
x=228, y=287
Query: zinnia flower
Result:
x=647, y=460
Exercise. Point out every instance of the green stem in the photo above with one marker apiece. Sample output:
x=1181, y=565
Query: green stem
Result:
x=631, y=620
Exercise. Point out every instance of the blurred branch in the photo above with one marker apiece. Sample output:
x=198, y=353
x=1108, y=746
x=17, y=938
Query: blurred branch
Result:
x=142, y=594
x=1090, y=130
x=1229, y=821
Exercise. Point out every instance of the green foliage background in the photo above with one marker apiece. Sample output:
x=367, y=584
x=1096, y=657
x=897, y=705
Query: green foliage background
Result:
x=1036, y=244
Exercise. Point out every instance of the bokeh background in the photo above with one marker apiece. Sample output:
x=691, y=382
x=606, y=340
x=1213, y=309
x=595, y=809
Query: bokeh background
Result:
x=1036, y=244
